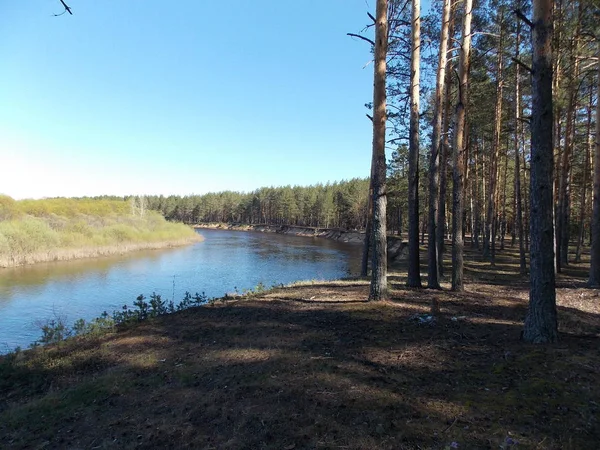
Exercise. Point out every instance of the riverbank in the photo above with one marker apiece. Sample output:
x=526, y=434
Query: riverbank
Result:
x=33, y=231
x=315, y=366
x=68, y=254
x=397, y=248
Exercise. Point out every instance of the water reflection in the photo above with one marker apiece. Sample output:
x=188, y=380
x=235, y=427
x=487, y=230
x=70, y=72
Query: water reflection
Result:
x=19, y=280
x=224, y=261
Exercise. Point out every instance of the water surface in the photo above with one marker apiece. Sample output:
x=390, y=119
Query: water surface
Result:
x=223, y=262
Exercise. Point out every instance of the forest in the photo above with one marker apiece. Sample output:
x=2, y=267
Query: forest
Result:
x=485, y=158
x=496, y=164
x=488, y=111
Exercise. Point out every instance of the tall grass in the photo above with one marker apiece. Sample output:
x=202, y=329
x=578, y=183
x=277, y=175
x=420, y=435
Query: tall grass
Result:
x=59, y=229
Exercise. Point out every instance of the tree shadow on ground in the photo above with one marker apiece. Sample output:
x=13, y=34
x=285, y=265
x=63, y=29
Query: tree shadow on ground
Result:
x=284, y=371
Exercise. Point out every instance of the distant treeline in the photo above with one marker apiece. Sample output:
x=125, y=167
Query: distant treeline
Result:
x=333, y=205
x=65, y=228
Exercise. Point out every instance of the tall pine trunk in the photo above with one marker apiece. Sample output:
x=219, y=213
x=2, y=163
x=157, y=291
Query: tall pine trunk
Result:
x=379, y=289
x=541, y=322
x=489, y=244
x=477, y=204
x=434, y=161
x=444, y=152
x=586, y=177
x=594, y=280
x=414, y=270
x=518, y=130
x=458, y=151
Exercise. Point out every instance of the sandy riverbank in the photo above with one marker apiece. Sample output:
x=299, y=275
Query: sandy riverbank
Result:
x=397, y=249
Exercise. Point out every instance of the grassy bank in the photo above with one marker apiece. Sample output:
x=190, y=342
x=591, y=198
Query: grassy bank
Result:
x=315, y=366
x=60, y=229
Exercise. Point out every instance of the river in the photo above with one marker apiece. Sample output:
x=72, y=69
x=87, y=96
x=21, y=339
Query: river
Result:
x=225, y=261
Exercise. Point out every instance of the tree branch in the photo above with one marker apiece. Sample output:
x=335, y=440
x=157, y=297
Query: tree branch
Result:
x=522, y=64
x=526, y=119
x=67, y=9
x=400, y=22
x=522, y=16
x=371, y=17
x=370, y=117
x=361, y=37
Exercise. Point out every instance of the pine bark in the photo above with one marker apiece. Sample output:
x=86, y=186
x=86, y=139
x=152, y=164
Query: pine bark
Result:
x=414, y=270
x=477, y=204
x=518, y=131
x=594, y=280
x=458, y=152
x=444, y=152
x=434, y=160
x=586, y=177
x=562, y=232
x=489, y=244
x=379, y=290
x=541, y=321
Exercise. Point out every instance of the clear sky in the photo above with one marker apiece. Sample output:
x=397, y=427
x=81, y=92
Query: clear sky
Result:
x=187, y=97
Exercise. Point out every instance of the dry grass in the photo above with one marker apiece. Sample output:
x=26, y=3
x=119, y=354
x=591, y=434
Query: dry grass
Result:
x=68, y=254
x=316, y=366
x=30, y=239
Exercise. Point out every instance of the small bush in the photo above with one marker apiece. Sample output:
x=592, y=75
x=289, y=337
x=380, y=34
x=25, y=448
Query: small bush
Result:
x=56, y=330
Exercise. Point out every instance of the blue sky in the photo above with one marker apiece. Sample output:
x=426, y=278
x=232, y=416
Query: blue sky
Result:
x=154, y=97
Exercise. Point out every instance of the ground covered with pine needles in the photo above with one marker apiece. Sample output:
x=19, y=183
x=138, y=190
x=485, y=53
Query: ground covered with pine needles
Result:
x=316, y=366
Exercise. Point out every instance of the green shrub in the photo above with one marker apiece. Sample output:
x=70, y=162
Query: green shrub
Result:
x=34, y=228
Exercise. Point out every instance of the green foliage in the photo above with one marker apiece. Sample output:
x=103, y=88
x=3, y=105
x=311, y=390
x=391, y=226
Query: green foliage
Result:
x=8, y=208
x=338, y=205
x=56, y=330
x=41, y=230
x=53, y=331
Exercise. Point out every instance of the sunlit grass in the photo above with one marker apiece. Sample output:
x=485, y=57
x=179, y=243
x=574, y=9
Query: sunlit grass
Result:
x=60, y=229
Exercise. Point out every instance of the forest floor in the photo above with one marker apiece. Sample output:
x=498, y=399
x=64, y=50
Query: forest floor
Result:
x=316, y=366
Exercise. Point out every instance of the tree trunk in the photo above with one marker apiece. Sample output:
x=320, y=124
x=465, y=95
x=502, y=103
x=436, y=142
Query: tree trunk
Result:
x=518, y=131
x=489, y=243
x=541, y=322
x=586, y=176
x=458, y=151
x=565, y=180
x=503, y=214
x=477, y=204
x=414, y=271
x=434, y=161
x=379, y=289
x=444, y=151
x=562, y=233
x=594, y=280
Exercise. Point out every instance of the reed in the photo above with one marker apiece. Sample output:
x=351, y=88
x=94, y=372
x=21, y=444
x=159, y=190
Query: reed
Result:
x=33, y=231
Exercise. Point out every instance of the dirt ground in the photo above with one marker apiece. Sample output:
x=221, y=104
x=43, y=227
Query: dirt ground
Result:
x=316, y=366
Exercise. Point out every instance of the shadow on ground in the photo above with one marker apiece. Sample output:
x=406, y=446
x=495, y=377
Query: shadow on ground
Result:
x=316, y=367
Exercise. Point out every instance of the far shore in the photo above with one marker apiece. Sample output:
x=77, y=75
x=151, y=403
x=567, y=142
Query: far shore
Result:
x=397, y=249
x=337, y=234
x=66, y=254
